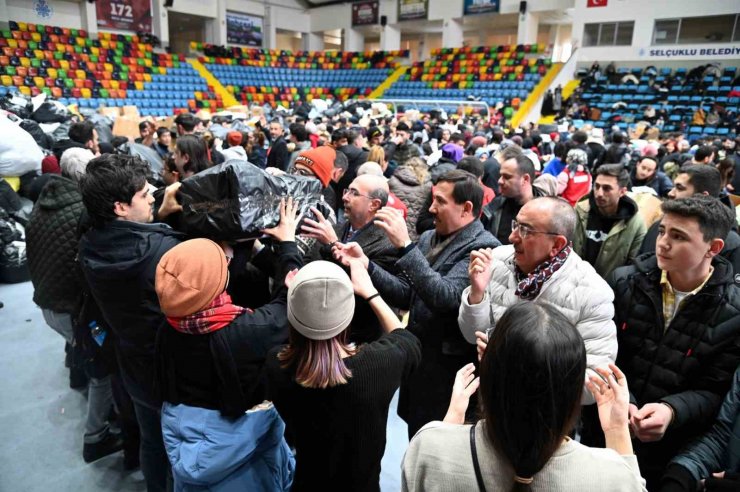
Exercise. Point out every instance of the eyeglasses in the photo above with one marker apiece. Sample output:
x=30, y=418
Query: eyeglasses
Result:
x=302, y=172
x=525, y=231
x=353, y=192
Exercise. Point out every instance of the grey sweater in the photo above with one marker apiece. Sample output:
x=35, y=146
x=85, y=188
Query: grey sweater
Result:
x=439, y=459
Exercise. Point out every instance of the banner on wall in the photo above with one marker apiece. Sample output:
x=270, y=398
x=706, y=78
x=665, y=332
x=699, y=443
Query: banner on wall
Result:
x=596, y=3
x=364, y=13
x=243, y=29
x=126, y=15
x=412, y=9
x=689, y=51
x=473, y=7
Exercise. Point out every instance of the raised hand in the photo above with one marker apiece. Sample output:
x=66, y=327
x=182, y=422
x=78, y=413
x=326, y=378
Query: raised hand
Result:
x=480, y=269
x=285, y=230
x=612, y=398
x=465, y=385
x=345, y=253
x=321, y=229
x=361, y=281
x=392, y=222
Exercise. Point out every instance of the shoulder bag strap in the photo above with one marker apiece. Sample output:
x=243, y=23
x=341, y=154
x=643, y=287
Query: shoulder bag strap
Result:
x=476, y=465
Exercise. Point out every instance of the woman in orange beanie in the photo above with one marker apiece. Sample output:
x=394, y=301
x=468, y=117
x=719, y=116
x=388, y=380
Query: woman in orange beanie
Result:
x=219, y=432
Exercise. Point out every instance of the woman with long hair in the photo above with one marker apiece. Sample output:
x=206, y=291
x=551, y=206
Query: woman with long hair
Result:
x=333, y=395
x=530, y=387
x=191, y=155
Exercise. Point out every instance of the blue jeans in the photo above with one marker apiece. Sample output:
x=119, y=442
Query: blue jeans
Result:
x=152, y=456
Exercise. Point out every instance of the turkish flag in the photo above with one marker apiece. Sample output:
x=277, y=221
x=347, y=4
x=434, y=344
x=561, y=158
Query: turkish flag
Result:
x=596, y=3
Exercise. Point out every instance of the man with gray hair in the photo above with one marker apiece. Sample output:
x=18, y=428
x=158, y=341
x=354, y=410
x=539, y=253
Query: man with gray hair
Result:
x=540, y=266
x=366, y=195
x=373, y=168
x=52, y=241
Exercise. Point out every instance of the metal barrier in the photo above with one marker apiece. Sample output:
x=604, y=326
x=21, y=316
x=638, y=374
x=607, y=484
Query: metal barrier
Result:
x=426, y=105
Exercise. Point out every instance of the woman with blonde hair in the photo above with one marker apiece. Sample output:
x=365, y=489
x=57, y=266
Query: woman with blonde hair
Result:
x=377, y=154
x=333, y=395
x=412, y=183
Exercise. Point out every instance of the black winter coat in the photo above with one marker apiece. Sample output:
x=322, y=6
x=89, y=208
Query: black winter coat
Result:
x=279, y=155
x=119, y=261
x=690, y=364
x=377, y=247
x=356, y=157
x=222, y=370
x=51, y=242
x=432, y=293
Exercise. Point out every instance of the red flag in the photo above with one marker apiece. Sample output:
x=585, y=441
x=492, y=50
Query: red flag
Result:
x=596, y=3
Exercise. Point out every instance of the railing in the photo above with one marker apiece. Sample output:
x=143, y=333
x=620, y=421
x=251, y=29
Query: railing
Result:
x=439, y=104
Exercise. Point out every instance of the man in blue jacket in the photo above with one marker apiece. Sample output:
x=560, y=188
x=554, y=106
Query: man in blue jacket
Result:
x=119, y=256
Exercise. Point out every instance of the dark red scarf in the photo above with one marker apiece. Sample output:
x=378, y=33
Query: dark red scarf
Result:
x=530, y=284
x=218, y=314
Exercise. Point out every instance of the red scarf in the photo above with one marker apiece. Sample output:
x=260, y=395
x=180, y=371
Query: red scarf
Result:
x=218, y=314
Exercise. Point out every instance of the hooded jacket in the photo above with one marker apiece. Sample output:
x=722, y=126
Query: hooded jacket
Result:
x=623, y=241
x=405, y=184
x=212, y=453
x=51, y=242
x=119, y=261
x=689, y=363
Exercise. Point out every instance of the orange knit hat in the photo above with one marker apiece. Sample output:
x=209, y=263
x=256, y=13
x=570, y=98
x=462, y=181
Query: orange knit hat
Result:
x=319, y=160
x=190, y=276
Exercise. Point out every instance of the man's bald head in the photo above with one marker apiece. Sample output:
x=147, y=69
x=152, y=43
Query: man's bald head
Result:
x=370, y=167
x=365, y=196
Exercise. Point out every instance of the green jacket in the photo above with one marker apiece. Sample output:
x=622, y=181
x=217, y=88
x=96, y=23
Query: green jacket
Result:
x=622, y=243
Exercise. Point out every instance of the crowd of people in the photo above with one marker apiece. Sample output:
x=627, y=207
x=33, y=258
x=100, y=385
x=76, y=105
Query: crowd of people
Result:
x=560, y=310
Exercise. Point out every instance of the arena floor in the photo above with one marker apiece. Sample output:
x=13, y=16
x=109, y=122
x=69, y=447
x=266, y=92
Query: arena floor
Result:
x=42, y=418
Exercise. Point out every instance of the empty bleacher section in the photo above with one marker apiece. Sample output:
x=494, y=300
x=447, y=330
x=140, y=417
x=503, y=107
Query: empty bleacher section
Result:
x=497, y=75
x=113, y=70
x=280, y=77
x=669, y=98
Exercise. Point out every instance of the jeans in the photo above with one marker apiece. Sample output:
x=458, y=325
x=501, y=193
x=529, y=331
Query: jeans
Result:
x=153, y=458
x=99, y=393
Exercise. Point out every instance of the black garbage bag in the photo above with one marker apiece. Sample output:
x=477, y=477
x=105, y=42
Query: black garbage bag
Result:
x=237, y=199
x=61, y=132
x=51, y=111
x=42, y=139
x=104, y=127
x=17, y=104
x=13, y=261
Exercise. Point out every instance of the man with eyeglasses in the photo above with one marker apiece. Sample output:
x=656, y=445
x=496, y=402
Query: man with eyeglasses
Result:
x=430, y=276
x=365, y=197
x=540, y=266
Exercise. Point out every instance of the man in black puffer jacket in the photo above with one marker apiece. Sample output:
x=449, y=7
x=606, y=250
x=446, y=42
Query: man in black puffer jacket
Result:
x=119, y=256
x=678, y=325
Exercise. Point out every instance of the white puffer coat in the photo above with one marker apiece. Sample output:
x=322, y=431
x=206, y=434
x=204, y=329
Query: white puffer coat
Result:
x=576, y=290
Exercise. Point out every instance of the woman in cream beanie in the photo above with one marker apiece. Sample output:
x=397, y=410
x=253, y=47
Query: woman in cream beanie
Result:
x=220, y=434
x=334, y=396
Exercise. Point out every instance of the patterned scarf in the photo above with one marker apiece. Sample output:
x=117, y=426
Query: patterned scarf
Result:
x=215, y=316
x=530, y=284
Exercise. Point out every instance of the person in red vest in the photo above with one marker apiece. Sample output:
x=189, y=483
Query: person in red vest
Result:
x=574, y=182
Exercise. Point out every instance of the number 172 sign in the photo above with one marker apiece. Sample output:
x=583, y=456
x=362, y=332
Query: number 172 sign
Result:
x=126, y=15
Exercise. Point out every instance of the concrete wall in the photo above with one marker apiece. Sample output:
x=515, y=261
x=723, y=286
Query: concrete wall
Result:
x=64, y=14
x=644, y=13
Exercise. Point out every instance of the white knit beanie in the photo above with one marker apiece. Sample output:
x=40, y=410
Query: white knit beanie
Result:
x=321, y=301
